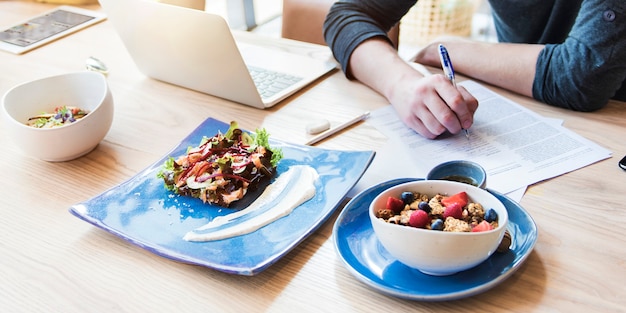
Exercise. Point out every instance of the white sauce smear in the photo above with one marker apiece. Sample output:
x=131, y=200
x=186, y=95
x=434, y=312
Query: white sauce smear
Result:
x=288, y=191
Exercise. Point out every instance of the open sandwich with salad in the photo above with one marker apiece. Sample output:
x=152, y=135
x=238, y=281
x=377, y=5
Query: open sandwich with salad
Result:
x=222, y=169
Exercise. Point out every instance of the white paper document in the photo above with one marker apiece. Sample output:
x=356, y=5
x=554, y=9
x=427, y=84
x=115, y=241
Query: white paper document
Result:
x=516, y=146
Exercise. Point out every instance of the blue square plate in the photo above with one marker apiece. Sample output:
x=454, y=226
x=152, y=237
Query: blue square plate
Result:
x=368, y=261
x=144, y=213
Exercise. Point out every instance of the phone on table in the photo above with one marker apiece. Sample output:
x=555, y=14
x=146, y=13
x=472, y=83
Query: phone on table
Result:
x=42, y=29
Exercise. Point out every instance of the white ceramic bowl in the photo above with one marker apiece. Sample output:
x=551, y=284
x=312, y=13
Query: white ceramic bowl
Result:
x=86, y=90
x=437, y=252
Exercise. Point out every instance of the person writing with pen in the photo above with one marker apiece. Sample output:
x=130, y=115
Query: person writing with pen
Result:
x=566, y=53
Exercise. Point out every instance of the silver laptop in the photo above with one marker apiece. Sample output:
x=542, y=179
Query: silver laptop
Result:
x=196, y=50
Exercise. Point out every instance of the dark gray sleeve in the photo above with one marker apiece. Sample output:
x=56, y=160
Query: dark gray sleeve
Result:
x=351, y=22
x=589, y=68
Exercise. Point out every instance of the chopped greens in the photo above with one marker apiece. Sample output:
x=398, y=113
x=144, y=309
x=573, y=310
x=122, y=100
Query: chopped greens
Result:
x=62, y=115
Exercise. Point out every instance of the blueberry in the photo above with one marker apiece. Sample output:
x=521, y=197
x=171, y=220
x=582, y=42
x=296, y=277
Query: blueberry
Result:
x=407, y=197
x=424, y=206
x=437, y=224
x=491, y=215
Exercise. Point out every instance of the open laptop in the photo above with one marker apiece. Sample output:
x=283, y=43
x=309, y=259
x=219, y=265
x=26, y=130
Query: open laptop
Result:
x=196, y=50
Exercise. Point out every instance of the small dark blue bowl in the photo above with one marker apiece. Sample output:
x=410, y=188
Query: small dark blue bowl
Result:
x=460, y=170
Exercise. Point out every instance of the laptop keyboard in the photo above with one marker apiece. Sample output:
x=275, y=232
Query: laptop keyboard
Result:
x=269, y=82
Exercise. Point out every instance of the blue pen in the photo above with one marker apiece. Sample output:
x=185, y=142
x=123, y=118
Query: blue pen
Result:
x=448, y=70
x=446, y=64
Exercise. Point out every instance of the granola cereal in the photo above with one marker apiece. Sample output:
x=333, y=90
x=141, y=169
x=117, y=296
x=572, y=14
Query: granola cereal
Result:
x=454, y=213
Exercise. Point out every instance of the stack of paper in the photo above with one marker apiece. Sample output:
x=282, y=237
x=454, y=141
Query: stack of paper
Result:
x=516, y=146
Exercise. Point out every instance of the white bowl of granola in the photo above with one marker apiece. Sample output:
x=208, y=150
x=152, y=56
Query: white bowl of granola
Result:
x=459, y=227
x=59, y=118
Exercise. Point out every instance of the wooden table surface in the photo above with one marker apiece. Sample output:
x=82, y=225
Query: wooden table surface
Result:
x=50, y=261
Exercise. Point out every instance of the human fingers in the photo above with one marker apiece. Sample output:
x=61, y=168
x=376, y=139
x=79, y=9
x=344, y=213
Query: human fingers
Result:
x=446, y=105
x=458, y=108
x=415, y=123
x=471, y=103
x=412, y=112
x=425, y=110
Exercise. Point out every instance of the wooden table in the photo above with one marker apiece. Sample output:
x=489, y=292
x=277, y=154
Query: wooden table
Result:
x=50, y=261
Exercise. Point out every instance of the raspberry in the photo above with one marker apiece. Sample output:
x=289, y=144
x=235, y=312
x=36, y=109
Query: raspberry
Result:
x=454, y=210
x=419, y=219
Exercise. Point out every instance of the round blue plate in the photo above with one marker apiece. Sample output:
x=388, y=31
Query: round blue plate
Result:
x=366, y=258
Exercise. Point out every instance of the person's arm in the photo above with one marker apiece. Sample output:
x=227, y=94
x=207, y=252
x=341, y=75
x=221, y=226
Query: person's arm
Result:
x=510, y=66
x=356, y=33
x=589, y=67
x=582, y=73
x=350, y=22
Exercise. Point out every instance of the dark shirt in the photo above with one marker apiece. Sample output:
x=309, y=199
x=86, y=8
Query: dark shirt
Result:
x=582, y=66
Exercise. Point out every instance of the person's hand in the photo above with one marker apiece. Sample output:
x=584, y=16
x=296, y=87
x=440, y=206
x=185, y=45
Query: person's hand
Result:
x=432, y=105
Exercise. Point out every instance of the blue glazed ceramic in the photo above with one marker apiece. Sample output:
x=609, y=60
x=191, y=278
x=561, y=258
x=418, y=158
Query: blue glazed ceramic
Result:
x=144, y=213
x=365, y=257
x=460, y=170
